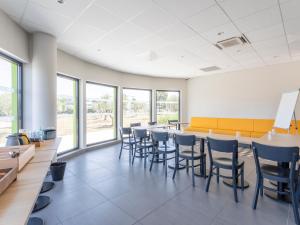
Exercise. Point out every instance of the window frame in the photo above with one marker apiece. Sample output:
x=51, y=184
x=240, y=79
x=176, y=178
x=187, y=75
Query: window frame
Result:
x=77, y=114
x=179, y=102
x=138, y=89
x=20, y=112
x=116, y=114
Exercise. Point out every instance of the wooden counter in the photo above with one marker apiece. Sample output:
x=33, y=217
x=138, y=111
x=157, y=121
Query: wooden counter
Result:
x=17, y=202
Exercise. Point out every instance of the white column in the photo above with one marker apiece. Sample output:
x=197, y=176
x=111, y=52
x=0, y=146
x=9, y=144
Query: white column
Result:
x=44, y=63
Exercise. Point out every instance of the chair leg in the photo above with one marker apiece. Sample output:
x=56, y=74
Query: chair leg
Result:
x=145, y=157
x=166, y=165
x=218, y=174
x=153, y=156
x=187, y=165
x=193, y=172
x=257, y=189
x=209, y=178
x=121, y=150
x=261, y=187
x=295, y=204
x=134, y=152
x=175, y=166
x=234, y=176
x=242, y=178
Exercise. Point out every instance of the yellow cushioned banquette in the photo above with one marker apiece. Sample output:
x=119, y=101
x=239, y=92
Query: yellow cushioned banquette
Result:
x=229, y=126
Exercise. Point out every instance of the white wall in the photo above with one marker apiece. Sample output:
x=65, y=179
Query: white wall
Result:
x=253, y=93
x=13, y=39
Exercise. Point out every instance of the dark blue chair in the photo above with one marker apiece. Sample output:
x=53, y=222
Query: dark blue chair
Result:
x=285, y=172
x=227, y=163
x=127, y=141
x=142, y=144
x=160, y=147
x=187, y=143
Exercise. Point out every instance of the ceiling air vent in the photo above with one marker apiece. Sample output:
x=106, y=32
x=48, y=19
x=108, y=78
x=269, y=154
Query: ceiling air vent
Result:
x=232, y=42
x=210, y=68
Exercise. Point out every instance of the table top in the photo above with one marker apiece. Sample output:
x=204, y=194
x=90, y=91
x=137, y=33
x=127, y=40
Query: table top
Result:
x=17, y=202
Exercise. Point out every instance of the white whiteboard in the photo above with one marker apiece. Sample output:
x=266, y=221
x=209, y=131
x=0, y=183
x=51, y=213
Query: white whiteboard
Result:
x=286, y=109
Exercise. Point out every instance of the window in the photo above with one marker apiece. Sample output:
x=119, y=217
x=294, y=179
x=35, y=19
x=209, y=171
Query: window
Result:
x=67, y=113
x=167, y=106
x=10, y=97
x=136, y=106
x=101, y=108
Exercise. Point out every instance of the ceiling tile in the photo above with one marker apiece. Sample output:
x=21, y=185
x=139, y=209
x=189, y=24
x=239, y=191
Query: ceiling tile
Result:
x=292, y=29
x=147, y=44
x=50, y=21
x=260, y=20
x=207, y=19
x=265, y=33
x=241, y=8
x=185, y=8
x=13, y=8
x=81, y=35
x=176, y=32
x=124, y=35
x=154, y=19
x=125, y=9
x=100, y=18
x=222, y=32
x=192, y=44
x=290, y=9
x=70, y=8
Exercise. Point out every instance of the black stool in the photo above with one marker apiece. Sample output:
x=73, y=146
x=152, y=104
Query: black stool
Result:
x=35, y=221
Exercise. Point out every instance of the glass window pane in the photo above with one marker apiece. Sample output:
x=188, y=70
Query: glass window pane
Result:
x=8, y=98
x=167, y=106
x=67, y=113
x=136, y=106
x=101, y=113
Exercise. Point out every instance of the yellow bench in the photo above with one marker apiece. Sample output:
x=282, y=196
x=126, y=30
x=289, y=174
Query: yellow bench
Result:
x=229, y=126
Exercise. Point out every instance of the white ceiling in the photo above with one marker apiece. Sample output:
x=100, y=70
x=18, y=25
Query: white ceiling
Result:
x=171, y=38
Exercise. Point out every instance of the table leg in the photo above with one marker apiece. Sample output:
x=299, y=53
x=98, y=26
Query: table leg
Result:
x=201, y=172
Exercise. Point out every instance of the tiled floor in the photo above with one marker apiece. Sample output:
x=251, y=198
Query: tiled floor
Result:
x=98, y=189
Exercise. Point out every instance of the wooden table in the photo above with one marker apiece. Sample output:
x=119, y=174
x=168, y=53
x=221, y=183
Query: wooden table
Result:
x=17, y=202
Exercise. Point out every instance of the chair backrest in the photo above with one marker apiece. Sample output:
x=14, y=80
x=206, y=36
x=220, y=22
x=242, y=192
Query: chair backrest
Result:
x=160, y=136
x=135, y=124
x=125, y=131
x=172, y=121
x=152, y=123
x=140, y=133
x=186, y=140
x=276, y=154
x=226, y=146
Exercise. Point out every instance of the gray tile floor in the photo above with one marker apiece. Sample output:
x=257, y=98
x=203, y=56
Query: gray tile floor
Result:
x=99, y=189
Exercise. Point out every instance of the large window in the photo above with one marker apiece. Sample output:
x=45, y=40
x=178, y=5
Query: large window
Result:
x=67, y=113
x=136, y=106
x=167, y=106
x=101, y=118
x=10, y=97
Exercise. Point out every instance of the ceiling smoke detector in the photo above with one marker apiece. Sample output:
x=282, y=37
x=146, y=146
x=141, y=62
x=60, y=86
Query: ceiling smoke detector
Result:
x=233, y=42
x=210, y=68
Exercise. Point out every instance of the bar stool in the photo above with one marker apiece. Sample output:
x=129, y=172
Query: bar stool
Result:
x=164, y=149
x=217, y=163
x=170, y=123
x=187, y=154
x=142, y=144
x=286, y=172
x=127, y=141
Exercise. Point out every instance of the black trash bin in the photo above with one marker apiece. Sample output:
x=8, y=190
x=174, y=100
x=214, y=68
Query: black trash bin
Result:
x=58, y=170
